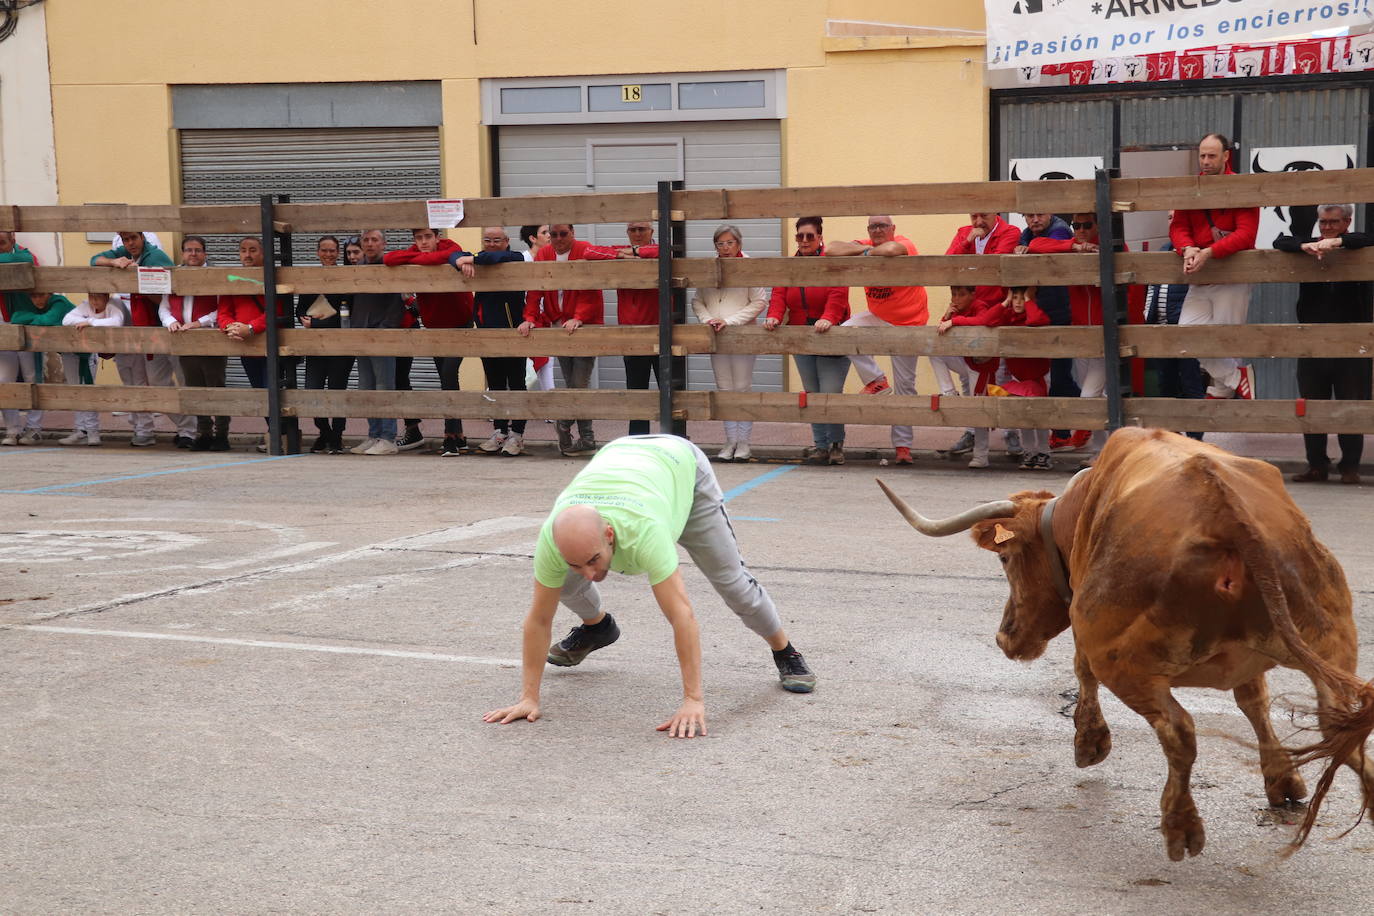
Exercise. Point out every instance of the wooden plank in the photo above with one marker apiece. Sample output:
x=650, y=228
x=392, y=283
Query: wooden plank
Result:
x=1198, y=192
x=1251, y=416
x=915, y=410
x=111, y=218
x=16, y=395
x=205, y=342
x=471, y=342
x=1048, y=342
x=562, y=404
x=1352, y=341
x=12, y=337
x=17, y=276
x=477, y=212
x=235, y=402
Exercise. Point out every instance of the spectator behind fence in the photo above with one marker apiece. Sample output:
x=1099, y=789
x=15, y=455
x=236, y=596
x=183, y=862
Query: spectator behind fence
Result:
x=734, y=306
x=1200, y=236
x=95, y=312
x=1085, y=305
x=570, y=310
x=325, y=312
x=1178, y=378
x=37, y=310
x=377, y=373
x=535, y=238
x=821, y=307
x=242, y=316
x=903, y=306
x=1023, y=376
x=353, y=252
x=498, y=309
x=639, y=307
x=13, y=363
x=158, y=369
x=1324, y=378
x=1054, y=302
x=193, y=313
x=964, y=375
x=437, y=310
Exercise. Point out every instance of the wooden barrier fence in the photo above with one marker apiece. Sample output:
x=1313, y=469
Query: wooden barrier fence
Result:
x=1104, y=196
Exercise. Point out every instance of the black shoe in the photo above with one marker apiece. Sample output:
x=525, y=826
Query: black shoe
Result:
x=411, y=440
x=184, y=442
x=202, y=443
x=219, y=444
x=336, y=442
x=793, y=673
x=321, y=444
x=583, y=640
x=580, y=447
x=452, y=447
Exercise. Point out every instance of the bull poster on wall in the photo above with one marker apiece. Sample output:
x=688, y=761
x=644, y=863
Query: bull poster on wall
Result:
x=1055, y=168
x=1299, y=221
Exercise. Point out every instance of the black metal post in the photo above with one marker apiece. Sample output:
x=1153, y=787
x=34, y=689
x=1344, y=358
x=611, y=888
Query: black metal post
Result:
x=269, y=295
x=288, y=259
x=679, y=309
x=665, y=308
x=1106, y=260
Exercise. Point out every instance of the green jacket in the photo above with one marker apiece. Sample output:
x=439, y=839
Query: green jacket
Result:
x=15, y=300
x=151, y=257
x=58, y=307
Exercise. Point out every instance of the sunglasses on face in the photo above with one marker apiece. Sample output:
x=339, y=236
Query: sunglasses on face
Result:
x=872, y=226
x=562, y=233
x=806, y=236
x=1082, y=225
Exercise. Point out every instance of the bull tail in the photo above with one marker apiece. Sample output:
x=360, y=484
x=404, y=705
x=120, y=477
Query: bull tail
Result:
x=1348, y=724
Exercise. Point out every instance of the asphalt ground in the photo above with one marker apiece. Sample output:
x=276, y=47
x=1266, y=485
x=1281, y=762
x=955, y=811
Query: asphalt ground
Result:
x=247, y=685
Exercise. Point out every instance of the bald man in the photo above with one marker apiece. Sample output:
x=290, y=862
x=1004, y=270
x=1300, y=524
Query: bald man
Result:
x=627, y=511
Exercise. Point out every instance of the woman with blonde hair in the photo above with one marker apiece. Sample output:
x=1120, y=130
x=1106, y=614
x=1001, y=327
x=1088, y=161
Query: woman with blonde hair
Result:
x=732, y=306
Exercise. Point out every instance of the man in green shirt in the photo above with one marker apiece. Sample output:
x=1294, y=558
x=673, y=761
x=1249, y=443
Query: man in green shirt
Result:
x=627, y=511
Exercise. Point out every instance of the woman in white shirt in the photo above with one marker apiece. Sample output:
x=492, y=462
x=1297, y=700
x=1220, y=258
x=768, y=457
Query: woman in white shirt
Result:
x=732, y=306
x=96, y=312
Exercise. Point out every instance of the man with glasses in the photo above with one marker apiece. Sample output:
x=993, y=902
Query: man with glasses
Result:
x=1322, y=378
x=376, y=373
x=1200, y=236
x=498, y=309
x=887, y=306
x=569, y=310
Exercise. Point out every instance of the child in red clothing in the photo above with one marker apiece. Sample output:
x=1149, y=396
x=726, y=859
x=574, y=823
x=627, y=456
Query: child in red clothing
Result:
x=1026, y=375
x=966, y=310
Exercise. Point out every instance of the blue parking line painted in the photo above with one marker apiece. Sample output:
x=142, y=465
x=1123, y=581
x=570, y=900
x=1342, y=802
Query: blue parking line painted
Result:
x=761, y=479
x=92, y=483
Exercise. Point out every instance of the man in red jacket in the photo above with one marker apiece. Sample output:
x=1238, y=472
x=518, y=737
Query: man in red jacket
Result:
x=1200, y=236
x=568, y=309
x=638, y=307
x=437, y=310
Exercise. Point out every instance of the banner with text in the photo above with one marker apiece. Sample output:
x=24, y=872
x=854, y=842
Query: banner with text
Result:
x=1024, y=33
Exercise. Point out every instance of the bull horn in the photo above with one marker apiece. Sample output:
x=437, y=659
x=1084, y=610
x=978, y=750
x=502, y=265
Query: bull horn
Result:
x=955, y=523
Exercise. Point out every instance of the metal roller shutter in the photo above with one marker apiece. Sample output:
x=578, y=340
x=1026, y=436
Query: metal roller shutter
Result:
x=563, y=159
x=318, y=164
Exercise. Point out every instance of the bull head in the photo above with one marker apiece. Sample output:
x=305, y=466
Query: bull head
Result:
x=1034, y=613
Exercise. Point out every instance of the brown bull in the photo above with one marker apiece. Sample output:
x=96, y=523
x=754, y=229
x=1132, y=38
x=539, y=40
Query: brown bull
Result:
x=1180, y=565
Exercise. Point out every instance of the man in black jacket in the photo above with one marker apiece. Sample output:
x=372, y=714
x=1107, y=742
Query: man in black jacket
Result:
x=498, y=309
x=1321, y=379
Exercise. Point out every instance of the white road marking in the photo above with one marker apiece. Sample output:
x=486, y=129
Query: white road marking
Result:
x=273, y=644
x=271, y=555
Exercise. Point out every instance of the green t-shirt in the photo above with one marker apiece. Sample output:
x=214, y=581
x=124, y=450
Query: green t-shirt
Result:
x=643, y=488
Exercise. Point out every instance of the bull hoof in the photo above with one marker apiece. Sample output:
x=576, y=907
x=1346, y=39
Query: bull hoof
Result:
x=1287, y=791
x=1183, y=833
x=1092, y=747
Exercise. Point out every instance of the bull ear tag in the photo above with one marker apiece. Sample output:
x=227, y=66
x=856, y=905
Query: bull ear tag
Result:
x=1002, y=535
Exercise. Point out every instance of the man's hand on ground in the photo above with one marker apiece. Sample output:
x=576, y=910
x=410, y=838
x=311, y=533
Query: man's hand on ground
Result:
x=688, y=721
x=525, y=709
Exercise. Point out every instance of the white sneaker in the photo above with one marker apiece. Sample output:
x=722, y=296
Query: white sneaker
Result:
x=78, y=437
x=362, y=447
x=742, y=452
x=11, y=437
x=31, y=436
x=515, y=445
x=1012, y=438
x=92, y=438
x=978, y=461
x=382, y=447
x=727, y=453
x=493, y=445
x=142, y=441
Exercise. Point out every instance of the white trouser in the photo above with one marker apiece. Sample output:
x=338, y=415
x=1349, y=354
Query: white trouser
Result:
x=1218, y=303
x=1035, y=441
x=903, y=371
x=735, y=372
x=955, y=377
x=1091, y=375
x=161, y=371
x=12, y=364
x=86, y=420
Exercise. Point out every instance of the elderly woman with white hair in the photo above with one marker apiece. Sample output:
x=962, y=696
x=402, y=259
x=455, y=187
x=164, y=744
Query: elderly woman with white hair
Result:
x=731, y=306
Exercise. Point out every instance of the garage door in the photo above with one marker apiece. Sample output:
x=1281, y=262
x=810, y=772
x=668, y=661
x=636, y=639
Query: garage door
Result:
x=562, y=159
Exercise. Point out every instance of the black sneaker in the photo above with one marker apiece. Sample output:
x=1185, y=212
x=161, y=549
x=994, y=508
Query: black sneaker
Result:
x=322, y=443
x=452, y=447
x=794, y=674
x=583, y=640
x=411, y=440
x=184, y=442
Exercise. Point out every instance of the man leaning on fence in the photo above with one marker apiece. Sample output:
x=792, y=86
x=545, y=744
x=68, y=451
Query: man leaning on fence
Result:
x=1323, y=378
x=1200, y=236
x=156, y=369
x=377, y=373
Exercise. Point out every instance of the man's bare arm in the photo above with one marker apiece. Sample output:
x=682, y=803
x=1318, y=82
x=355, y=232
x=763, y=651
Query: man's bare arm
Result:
x=690, y=718
x=537, y=633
